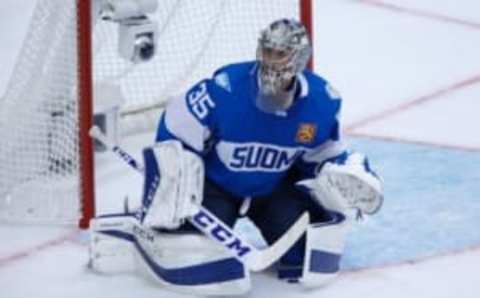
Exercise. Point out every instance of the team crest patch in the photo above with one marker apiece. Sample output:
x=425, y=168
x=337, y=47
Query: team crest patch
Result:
x=306, y=133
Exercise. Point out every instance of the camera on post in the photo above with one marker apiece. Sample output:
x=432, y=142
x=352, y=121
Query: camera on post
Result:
x=137, y=39
x=137, y=34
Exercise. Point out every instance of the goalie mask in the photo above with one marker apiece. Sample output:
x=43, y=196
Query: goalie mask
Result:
x=283, y=51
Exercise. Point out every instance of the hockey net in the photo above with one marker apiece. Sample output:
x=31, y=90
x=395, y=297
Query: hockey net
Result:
x=46, y=170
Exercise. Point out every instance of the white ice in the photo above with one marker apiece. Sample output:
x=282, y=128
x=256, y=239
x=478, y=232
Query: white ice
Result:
x=409, y=73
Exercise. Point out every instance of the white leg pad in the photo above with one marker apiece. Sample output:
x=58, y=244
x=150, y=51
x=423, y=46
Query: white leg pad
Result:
x=109, y=254
x=194, y=264
x=324, y=247
x=187, y=263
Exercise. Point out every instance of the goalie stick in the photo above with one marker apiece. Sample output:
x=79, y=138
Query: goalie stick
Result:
x=253, y=258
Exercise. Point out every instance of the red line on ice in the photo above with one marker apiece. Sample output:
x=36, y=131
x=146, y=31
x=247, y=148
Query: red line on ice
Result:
x=414, y=103
x=422, y=13
x=415, y=142
x=350, y=129
x=7, y=260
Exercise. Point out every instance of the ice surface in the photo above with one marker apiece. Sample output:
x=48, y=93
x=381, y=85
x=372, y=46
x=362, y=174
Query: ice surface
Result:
x=425, y=242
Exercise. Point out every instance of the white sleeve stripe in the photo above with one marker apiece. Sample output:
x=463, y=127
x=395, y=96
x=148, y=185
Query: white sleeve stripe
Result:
x=183, y=124
x=325, y=151
x=303, y=85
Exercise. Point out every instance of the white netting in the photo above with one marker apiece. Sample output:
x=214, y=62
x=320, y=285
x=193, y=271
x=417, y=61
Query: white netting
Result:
x=38, y=122
x=196, y=37
x=39, y=163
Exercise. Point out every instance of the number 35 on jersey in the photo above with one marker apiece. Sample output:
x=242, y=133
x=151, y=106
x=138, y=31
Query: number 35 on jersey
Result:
x=199, y=101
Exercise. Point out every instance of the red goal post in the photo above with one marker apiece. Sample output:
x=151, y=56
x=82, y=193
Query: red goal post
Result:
x=85, y=115
x=47, y=157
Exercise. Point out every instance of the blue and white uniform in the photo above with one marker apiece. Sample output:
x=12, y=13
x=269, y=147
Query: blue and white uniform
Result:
x=248, y=151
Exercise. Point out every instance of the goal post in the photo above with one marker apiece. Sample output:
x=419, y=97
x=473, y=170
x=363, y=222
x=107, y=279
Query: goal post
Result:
x=70, y=52
x=306, y=16
x=85, y=115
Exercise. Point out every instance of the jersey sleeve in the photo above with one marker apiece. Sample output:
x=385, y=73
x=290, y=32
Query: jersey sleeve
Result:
x=334, y=147
x=190, y=118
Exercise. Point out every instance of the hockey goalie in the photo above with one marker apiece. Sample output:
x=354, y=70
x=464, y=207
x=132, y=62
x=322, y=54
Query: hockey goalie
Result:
x=259, y=139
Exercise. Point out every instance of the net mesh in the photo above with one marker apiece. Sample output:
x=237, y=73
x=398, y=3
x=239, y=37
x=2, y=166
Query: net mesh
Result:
x=39, y=161
x=39, y=173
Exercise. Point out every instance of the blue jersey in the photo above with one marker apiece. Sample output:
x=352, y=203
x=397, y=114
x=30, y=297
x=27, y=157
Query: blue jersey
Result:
x=247, y=151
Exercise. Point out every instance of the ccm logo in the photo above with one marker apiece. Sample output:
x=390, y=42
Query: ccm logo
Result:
x=219, y=232
x=137, y=231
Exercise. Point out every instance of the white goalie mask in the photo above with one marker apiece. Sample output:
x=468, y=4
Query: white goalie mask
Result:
x=283, y=51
